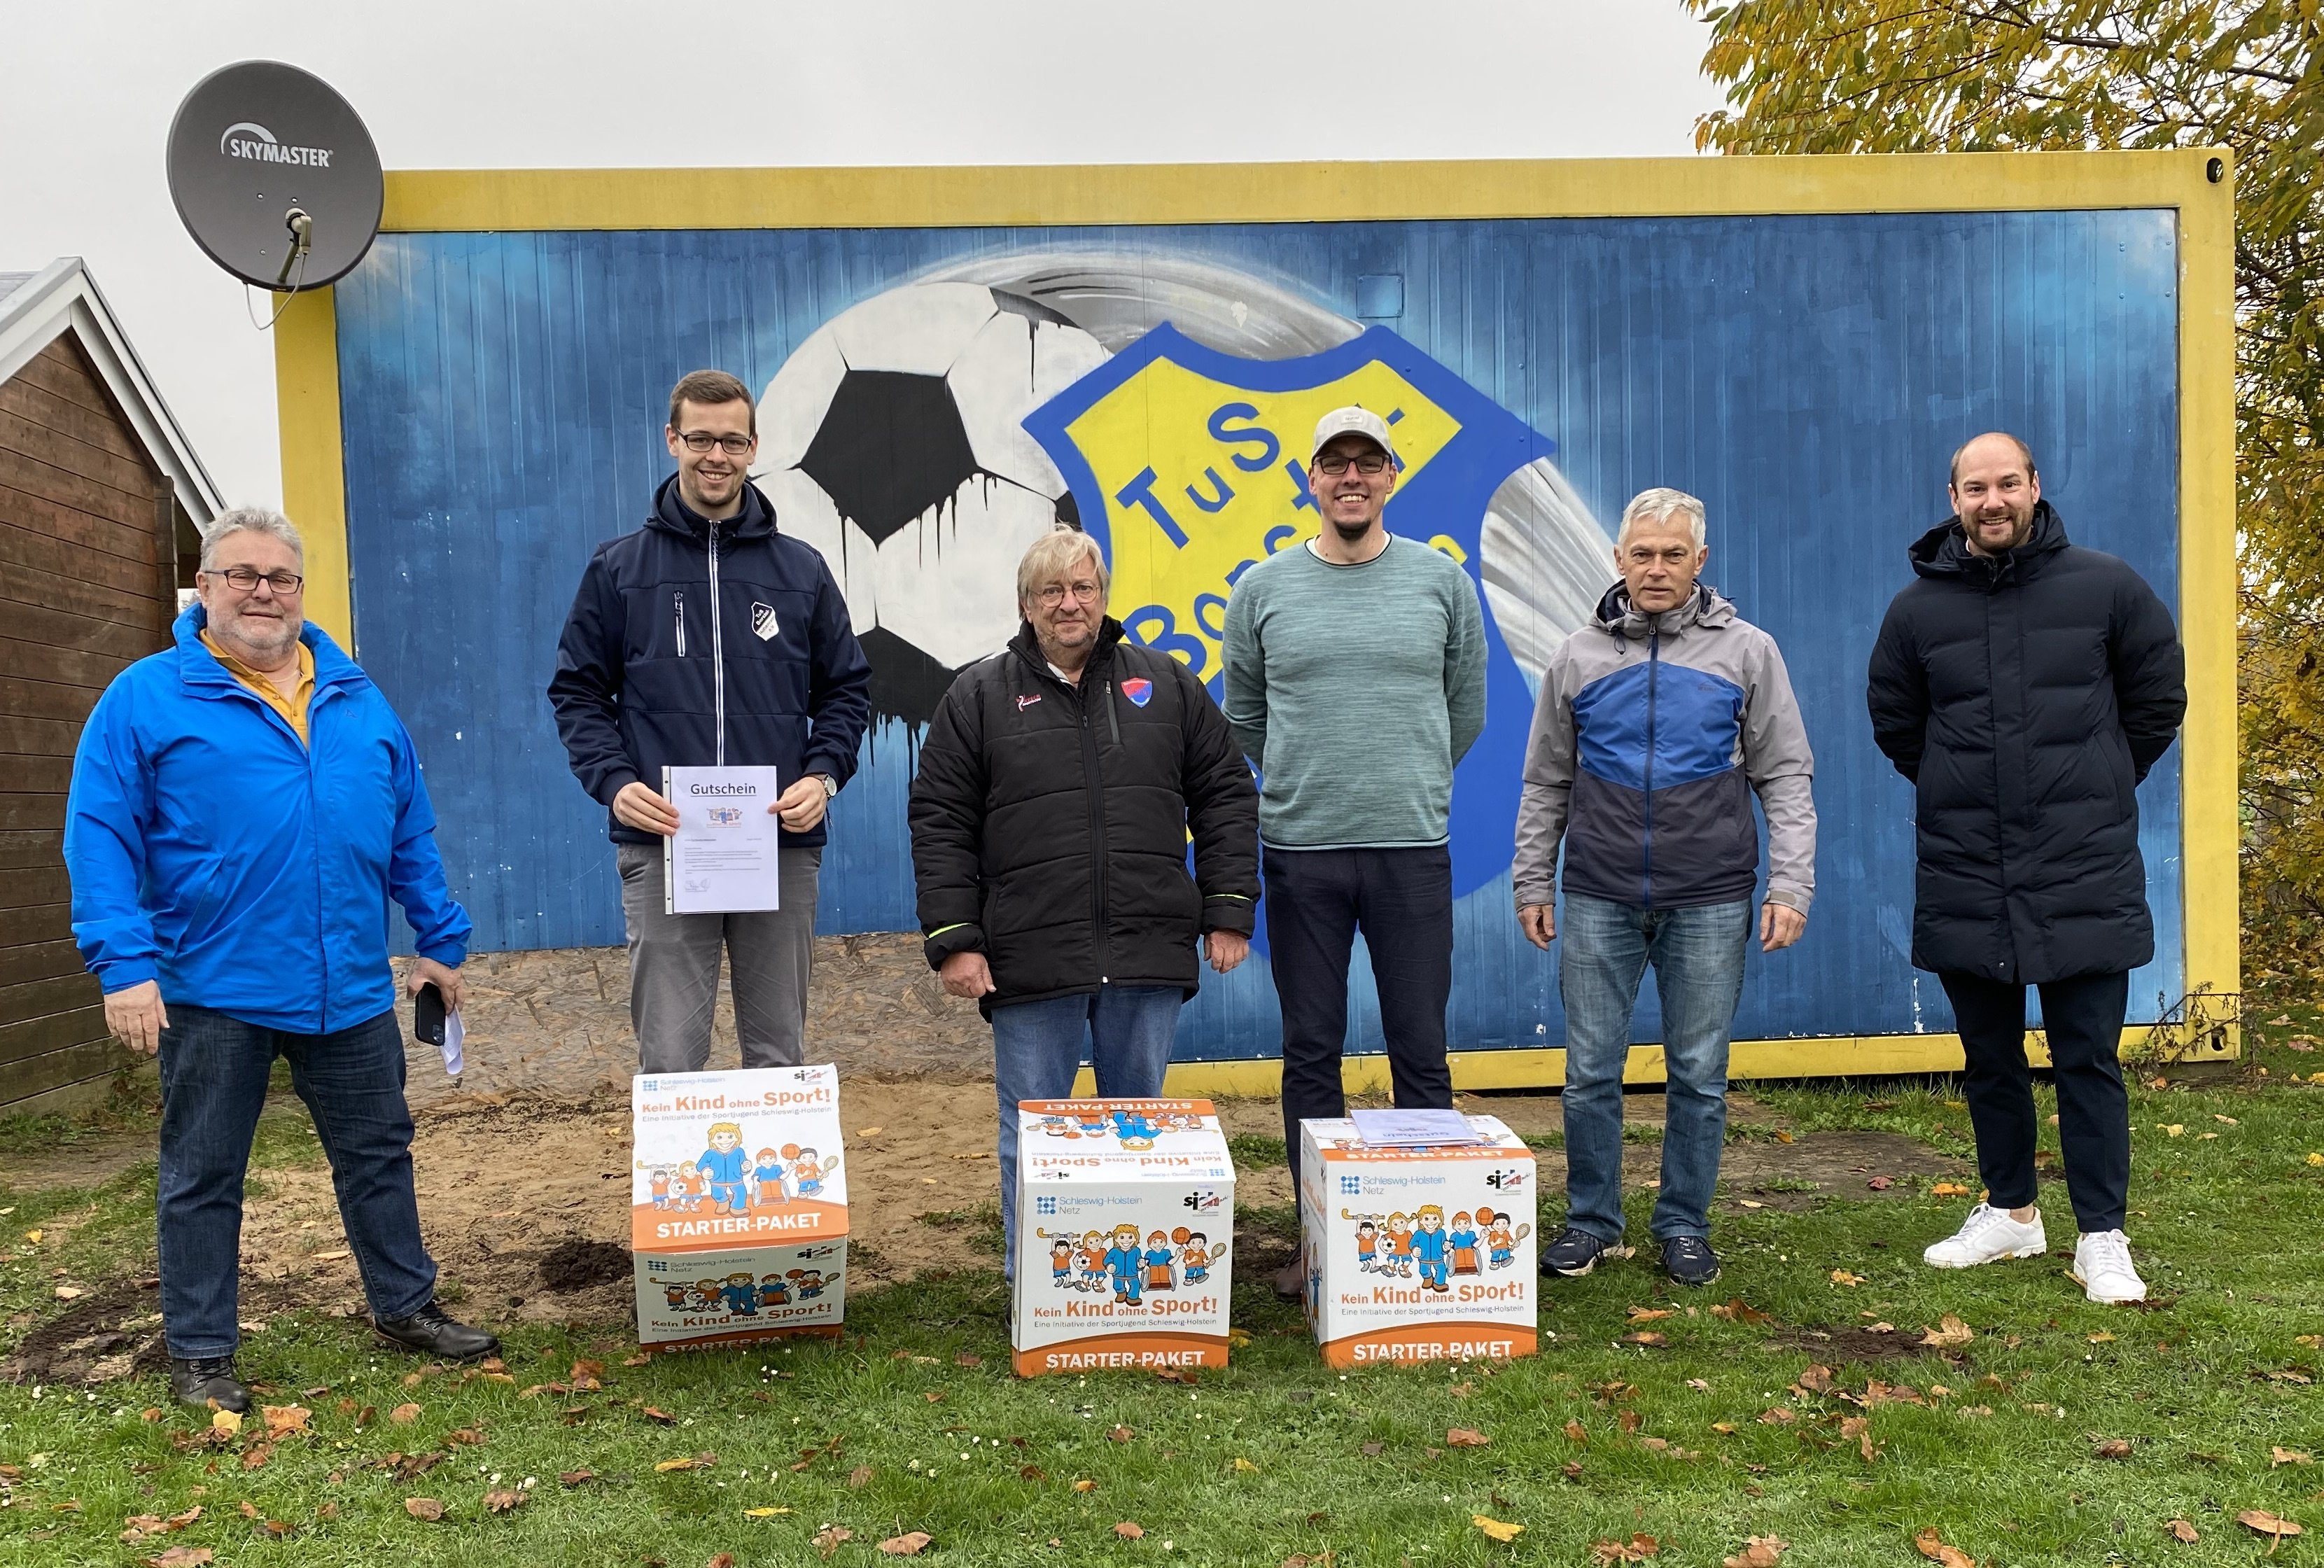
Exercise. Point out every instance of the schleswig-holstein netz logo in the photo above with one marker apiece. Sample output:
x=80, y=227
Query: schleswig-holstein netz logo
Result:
x=246, y=139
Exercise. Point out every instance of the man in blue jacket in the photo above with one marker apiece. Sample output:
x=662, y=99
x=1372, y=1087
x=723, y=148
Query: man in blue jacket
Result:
x=242, y=806
x=709, y=637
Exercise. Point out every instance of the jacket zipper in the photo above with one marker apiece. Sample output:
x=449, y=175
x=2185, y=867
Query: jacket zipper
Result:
x=314, y=815
x=717, y=653
x=678, y=615
x=1098, y=935
x=1646, y=870
x=1112, y=719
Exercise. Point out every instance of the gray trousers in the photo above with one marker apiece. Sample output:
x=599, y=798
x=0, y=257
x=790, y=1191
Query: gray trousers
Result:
x=674, y=967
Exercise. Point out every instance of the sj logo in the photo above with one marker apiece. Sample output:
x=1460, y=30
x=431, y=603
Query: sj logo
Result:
x=1190, y=467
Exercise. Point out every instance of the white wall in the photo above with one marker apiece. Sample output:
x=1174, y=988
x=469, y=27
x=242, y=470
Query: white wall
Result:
x=87, y=92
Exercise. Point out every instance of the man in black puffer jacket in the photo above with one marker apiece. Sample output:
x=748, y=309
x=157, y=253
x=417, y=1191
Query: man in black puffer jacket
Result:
x=1058, y=784
x=2025, y=687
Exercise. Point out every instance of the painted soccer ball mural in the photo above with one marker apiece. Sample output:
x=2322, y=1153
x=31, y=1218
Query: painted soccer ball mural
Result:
x=892, y=441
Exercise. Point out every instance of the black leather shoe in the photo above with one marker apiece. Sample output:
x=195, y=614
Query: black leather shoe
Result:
x=1575, y=1253
x=431, y=1331
x=1689, y=1260
x=208, y=1383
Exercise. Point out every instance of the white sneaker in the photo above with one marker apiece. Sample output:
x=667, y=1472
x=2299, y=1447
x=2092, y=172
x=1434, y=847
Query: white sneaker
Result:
x=1988, y=1236
x=2102, y=1267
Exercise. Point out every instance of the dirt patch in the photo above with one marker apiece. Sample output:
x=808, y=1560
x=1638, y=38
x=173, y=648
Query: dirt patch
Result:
x=108, y=1335
x=578, y=1263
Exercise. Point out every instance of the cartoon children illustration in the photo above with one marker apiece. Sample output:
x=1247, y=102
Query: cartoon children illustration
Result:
x=767, y=1174
x=1367, y=1247
x=1196, y=1257
x=660, y=1183
x=1093, y=1261
x=1428, y=1245
x=675, y=1292
x=774, y=1290
x=722, y=1163
x=1056, y=1126
x=1061, y=1263
x=1500, y=1241
x=1126, y=1264
x=706, y=1294
x=1396, y=1247
x=809, y=1172
x=1135, y=1131
x=1159, y=1273
x=1462, y=1240
x=1090, y=1123
x=742, y=1295
x=810, y=1282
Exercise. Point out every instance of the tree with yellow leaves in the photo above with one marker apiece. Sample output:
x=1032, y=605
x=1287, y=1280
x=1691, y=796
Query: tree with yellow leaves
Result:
x=1916, y=76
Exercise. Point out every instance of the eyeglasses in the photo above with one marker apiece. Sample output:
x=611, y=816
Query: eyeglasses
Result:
x=245, y=580
x=1337, y=462
x=733, y=446
x=1056, y=594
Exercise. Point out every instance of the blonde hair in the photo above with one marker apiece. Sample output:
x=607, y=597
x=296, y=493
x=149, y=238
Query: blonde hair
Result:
x=1053, y=556
x=1659, y=507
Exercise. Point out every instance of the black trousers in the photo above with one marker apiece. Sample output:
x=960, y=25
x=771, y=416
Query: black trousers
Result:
x=2083, y=1016
x=1402, y=901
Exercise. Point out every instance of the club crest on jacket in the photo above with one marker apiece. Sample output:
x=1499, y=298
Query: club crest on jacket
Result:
x=1138, y=690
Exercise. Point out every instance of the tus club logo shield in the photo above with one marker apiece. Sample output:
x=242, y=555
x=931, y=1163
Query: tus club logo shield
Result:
x=1191, y=467
x=763, y=624
x=1138, y=690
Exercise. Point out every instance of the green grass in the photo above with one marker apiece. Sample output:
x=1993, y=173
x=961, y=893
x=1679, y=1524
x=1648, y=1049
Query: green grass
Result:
x=906, y=1436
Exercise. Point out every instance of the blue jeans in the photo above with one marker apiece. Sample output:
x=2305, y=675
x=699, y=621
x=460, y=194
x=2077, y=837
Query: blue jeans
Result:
x=1698, y=959
x=1125, y=1030
x=214, y=1073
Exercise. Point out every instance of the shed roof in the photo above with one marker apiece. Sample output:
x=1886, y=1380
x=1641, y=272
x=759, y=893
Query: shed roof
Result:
x=37, y=308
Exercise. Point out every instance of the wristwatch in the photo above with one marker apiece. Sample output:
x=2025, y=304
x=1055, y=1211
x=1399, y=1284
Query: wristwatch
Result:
x=830, y=786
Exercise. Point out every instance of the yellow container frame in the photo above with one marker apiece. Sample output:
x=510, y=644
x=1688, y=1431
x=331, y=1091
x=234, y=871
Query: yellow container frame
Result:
x=2196, y=184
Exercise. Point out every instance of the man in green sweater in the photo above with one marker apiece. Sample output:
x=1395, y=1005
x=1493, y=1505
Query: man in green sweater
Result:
x=1355, y=680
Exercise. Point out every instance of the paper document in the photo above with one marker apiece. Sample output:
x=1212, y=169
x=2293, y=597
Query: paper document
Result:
x=454, y=1034
x=721, y=859
x=1412, y=1129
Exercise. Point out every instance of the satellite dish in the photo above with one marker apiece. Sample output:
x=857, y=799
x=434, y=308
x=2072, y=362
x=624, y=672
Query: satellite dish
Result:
x=274, y=175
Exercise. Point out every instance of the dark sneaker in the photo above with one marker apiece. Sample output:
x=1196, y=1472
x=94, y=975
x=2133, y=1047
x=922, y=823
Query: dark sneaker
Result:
x=1291, y=1279
x=1689, y=1260
x=208, y=1383
x=429, y=1330
x=1575, y=1253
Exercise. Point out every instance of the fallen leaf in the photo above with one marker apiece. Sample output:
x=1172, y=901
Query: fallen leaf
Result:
x=1237, y=1337
x=1948, y=1190
x=2277, y=1456
x=665, y=1466
x=764, y=1513
x=723, y=1560
x=404, y=1414
x=69, y=1293
x=1637, y=1549
x=1121, y=1434
x=653, y=1413
x=1575, y=1431
x=2101, y=1338
x=1463, y=1437
x=1881, y=1184
x=226, y=1421
x=1778, y=1416
x=427, y=1508
x=1245, y=1467
x=2172, y=1131
x=1644, y=1337
x=2269, y=1525
x=181, y=1557
x=1817, y=1380
x=1086, y=1485
x=1932, y=1547
x=1032, y=1472
x=934, y=1396
x=2113, y=1448
x=910, y=1546
x=827, y=1539
x=576, y=1477
x=1495, y=1528
x=2182, y=1530
x=1842, y=1276
x=869, y=1131
x=255, y=1456
x=500, y=1501
x=1734, y=1311
x=1950, y=1331
x=1758, y=1551
x=282, y=1420
x=1786, y=1138
x=1648, y=1313
x=1130, y=1530
x=1751, y=1203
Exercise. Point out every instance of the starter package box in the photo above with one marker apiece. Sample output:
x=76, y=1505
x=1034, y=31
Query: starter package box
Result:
x=1417, y=1254
x=738, y=1205
x=1125, y=1209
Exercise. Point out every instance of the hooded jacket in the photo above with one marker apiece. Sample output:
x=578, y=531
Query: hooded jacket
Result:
x=2025, y=695
x=1649, y=736
x=1050, y=821
x=693, y=643
x=212, y=851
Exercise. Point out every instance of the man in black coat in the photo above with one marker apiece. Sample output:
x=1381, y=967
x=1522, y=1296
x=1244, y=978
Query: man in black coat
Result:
x=2025, y=686
x=1058, y=785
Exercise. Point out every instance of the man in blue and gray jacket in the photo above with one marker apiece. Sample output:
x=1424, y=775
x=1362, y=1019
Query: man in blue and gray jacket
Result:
x=1654, y=727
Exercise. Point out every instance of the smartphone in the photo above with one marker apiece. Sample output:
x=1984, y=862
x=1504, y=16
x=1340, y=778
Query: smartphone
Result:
x=427, y=1015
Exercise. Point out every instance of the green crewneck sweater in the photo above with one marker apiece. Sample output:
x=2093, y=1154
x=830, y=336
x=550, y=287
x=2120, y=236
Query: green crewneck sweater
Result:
x=1354, y=690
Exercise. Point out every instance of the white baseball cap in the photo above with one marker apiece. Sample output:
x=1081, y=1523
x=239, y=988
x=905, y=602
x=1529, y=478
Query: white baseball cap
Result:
x=1353, y=420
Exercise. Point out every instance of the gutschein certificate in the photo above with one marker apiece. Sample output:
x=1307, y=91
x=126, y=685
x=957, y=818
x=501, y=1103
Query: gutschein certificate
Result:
x=721, y=859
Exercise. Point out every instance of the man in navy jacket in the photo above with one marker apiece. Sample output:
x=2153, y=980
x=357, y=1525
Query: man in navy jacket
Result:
x=708, y=638
x=243, y=805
